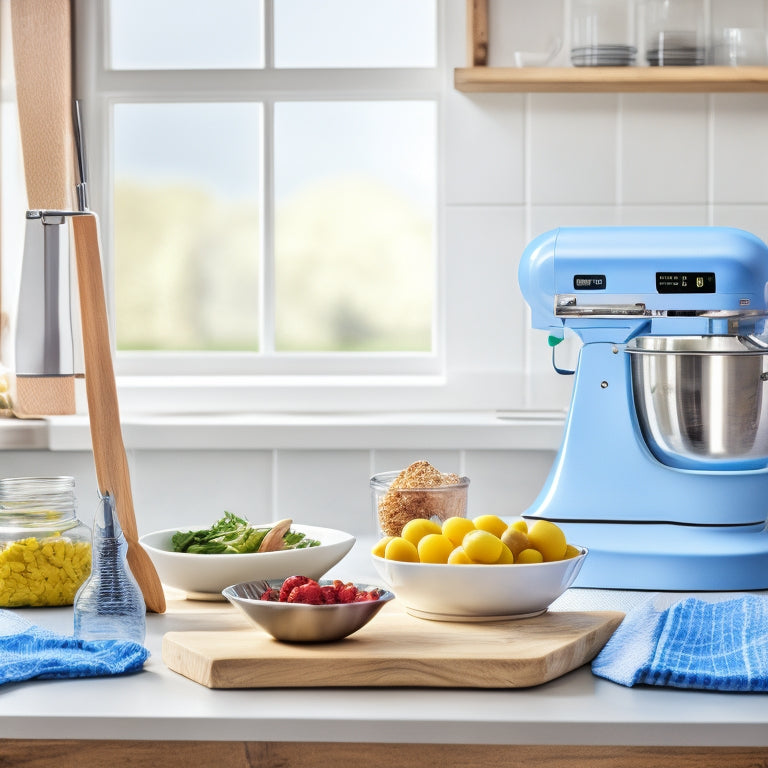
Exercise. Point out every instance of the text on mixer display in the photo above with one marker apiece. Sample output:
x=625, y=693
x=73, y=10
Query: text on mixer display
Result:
x=685, y=282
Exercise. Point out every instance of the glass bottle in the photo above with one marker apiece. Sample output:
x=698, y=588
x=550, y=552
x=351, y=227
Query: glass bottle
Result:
x=45, y=551
x=109, y=605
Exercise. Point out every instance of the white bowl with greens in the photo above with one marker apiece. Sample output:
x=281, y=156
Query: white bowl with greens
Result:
x=203, y=561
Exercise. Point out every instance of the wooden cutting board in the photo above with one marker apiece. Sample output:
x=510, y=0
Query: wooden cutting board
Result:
x=396, y=649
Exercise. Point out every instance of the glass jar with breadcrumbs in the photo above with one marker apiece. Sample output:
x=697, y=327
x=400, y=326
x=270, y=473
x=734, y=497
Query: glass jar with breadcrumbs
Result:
x=45, y=550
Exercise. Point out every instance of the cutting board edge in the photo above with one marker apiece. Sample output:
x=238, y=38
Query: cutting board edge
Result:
x=171, y=654
x=225, y=672
x=593, y=642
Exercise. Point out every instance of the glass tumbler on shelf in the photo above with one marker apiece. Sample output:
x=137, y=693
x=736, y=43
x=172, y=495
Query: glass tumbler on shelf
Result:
x=739, y=32
x=673, y=33
x=601, y=34
x=45, y=551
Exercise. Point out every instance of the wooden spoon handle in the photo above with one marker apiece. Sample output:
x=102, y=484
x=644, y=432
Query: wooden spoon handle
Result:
x=108, y=450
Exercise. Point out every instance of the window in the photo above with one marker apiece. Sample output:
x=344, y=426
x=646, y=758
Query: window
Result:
x=266, y=175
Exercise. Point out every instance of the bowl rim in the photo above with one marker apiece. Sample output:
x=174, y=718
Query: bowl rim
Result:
x=385, y=596
x=344, y=538
x=583, y=552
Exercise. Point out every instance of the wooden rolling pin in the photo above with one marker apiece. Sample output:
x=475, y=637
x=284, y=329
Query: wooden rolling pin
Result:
x=112, y=473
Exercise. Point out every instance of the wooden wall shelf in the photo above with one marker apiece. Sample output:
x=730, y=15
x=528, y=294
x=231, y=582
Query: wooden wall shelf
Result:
x=477, y=77
x=611, y=79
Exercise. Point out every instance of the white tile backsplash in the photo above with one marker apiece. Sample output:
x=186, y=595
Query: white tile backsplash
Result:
x=484, y=149
x=663, y=215
x=445, y=461
x=328, y=488
x=739, y=156
x=193, y=487
x=572, y=148
x=753, y=218
x=483, y=247
x=505, y=483
x=664, y=144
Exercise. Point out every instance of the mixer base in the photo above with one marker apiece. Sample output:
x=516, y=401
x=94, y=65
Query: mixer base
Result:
x=668, y=557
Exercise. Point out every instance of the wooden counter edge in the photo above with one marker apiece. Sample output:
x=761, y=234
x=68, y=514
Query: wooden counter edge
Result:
x=53, y=753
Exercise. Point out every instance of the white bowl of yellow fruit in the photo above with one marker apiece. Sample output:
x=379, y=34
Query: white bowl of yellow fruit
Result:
x=481, y=569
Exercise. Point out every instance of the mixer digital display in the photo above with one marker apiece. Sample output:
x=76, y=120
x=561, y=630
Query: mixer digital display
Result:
x=589, y=282
x=685, y=282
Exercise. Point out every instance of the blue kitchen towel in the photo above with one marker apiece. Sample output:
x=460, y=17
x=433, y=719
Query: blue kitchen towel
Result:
x=719, y=645
x=28, y=651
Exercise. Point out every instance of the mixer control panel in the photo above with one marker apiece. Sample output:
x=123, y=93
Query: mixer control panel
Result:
x=685, y=282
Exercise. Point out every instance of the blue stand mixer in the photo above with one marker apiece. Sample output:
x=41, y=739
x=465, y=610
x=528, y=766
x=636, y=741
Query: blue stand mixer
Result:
x=663, y=468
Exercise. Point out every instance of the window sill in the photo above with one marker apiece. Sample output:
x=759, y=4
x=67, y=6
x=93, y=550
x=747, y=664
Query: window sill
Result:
x=299, y=431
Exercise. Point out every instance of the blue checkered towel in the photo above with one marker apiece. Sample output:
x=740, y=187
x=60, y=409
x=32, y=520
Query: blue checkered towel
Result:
x=28, y=651
x=719, y=645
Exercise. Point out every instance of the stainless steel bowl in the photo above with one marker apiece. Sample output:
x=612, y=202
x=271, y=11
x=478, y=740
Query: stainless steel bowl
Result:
x=701, y=400
x=300, y=623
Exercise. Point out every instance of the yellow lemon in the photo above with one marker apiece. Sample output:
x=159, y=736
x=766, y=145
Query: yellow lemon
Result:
x=548, y=539
x=434, y=548
x=381, y=545
x=459, y=557
x=571, y=551
x=519, y=525
x=482, y=546
x=506, y=557
x=456, y=528
x=401, y=549
x=491, y=523
x=530, y=556
x=415, y=530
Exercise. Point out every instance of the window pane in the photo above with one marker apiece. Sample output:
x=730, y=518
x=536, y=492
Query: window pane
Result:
x=355, y=33
x=187, y=240
x=185, y=34
x=355, y=221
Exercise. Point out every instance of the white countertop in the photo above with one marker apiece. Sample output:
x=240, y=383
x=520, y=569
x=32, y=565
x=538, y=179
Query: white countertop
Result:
x=577, y=709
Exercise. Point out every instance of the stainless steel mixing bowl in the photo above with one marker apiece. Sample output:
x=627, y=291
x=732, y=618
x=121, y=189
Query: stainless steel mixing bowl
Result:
x=701, y=400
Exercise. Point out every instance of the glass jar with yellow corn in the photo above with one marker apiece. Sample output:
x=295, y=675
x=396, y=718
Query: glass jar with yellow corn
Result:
x=45, y=550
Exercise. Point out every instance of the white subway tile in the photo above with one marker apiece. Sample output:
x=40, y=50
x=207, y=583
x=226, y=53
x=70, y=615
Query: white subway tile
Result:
x=483, y=247
x=752, y=218
x=740, y=159
x=172, y=488
x=545, y=217
x=663, y=215
x=505, y=483
x=327, y=488
x=76, y=464
x=445, y=461
x=573, y=148
x=664, y=148
x=484, y=148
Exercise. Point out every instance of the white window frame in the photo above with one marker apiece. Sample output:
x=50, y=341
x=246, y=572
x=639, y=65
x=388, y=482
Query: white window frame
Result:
x=310, y=382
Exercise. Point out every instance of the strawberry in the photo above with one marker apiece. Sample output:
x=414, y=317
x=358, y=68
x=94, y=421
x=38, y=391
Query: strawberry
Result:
x=308, y=593
x=289, y=584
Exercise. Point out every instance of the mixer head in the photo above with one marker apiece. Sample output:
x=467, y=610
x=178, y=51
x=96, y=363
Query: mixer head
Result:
x=615, y=283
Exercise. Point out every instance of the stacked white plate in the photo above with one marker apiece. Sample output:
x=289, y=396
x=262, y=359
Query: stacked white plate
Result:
x=603, y=55
x=684, y=56
x=676, y=49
